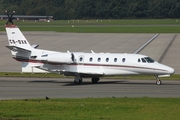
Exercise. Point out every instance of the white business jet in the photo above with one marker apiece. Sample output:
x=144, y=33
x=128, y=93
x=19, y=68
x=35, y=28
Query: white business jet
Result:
x=81, y=65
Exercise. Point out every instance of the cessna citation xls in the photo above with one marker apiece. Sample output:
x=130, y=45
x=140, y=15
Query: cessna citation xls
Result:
x=79, y=64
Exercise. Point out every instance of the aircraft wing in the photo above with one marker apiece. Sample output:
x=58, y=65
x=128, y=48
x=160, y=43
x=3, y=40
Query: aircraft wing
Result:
x=82, y=74
x=74, y=73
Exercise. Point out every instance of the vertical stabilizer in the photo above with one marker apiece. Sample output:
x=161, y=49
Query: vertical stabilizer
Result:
x=16, y=39
x=18, y=44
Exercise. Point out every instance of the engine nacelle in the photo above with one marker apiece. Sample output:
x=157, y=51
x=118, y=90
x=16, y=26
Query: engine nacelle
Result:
x=59, y=58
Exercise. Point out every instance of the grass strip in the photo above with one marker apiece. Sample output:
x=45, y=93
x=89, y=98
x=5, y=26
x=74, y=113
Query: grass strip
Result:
x=91, y=109
x=52, y=75
x=108, y=29
x=100, y=22
x=102, y=26
x=104, y=29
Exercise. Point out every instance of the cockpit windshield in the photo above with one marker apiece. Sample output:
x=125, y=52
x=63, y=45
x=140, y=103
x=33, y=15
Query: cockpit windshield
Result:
x=149, y=60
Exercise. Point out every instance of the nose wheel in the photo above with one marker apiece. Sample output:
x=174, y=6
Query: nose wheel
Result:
x=158, y=81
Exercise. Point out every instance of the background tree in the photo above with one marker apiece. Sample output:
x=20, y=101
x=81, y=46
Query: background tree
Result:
x=94, y=9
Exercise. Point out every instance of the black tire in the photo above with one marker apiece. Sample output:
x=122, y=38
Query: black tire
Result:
x=79, y=82
x=95, y=80
x=158, y=82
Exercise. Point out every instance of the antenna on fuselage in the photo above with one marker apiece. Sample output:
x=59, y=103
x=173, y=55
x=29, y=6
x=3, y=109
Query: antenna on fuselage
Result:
x=10, y=18
x=92, y=51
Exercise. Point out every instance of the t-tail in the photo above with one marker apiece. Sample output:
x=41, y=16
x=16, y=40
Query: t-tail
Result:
x=18, y=44
x=20, y=48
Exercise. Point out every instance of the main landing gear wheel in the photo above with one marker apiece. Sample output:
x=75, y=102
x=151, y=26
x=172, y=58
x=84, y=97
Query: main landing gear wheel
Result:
x=95, y=80
x=77, y=80
x=158, y=82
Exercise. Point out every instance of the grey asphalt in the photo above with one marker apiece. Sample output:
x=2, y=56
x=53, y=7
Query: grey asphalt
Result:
x=98, y=42
x=29, y=88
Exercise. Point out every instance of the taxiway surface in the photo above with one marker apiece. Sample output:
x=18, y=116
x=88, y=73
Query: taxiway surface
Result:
x=28, y=88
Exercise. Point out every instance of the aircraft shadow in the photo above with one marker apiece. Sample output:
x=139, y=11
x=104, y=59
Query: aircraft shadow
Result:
x=90, y=83
x=120, y=82
x=71, y=83
x=44, y=81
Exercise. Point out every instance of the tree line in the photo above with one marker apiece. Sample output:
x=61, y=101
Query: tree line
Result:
x=95, y=9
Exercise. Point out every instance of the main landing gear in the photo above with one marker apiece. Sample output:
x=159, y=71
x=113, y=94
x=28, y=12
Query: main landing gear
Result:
x=78, y=80
x=158, y=81
x=95, y=80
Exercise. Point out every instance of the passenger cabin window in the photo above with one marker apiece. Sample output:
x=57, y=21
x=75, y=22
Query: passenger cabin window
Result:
x=107, y=59
x=143, y=60
x=99, y=59
x=91, y=59
x=80, y=59
x=115, y=59
x=123, y=60
x=149, y=60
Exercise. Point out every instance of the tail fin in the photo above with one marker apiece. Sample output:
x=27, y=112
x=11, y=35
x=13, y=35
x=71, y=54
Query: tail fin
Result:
x=17, y=41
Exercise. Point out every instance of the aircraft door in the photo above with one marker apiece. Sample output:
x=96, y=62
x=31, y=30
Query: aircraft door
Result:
x=81, y=60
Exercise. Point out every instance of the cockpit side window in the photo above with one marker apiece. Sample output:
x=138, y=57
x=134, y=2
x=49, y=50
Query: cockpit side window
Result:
x=149, y=60
x=139, y=60
x=143, y=60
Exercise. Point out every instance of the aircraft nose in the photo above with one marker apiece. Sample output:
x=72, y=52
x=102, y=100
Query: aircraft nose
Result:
x=171, y=70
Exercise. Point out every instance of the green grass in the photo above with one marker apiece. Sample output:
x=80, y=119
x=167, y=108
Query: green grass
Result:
x=36, y=75
x=106, y=26
x=94, y=108
x=51, y=75
x=102, y=22
x=91, y=109
x=108, y=29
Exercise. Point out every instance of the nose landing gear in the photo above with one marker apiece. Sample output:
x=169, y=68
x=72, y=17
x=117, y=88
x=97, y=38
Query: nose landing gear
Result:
x=158, y=81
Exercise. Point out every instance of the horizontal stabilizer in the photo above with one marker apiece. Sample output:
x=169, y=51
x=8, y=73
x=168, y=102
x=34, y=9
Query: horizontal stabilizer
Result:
x=35, y=46
x=15, y=48
x=17, y=41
